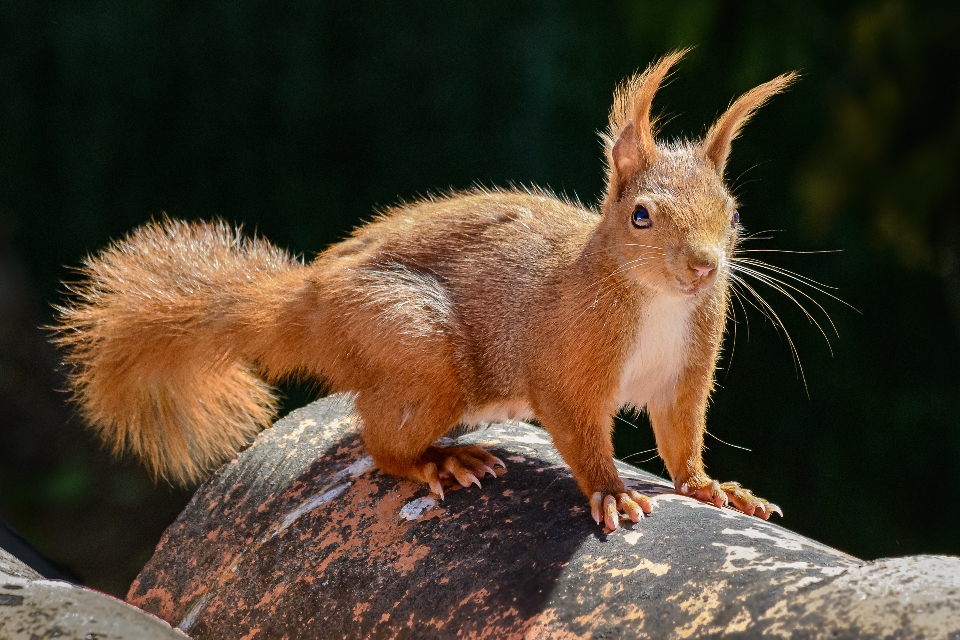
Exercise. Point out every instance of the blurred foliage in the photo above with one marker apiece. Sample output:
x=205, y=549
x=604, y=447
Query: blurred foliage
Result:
x=299, y=118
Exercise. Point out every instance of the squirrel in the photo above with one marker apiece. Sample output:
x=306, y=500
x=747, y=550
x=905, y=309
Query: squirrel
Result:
x=467, y=308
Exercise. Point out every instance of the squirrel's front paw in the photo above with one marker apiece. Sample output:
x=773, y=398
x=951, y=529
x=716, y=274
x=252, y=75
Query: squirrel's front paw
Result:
x=607, y=507
x=742, y=499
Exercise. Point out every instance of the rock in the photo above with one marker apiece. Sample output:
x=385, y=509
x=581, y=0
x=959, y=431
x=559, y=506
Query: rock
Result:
x=34, y=608
x=302, y=537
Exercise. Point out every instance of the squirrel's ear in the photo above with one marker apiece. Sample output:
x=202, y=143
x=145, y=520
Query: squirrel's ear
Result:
x=625, y=155
x=716, y=144
x=629, y=138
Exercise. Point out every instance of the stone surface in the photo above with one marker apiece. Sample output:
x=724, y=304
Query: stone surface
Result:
x=32, y=608
x=301, y=537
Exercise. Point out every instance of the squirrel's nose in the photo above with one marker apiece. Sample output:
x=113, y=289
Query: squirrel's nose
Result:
x=702, y=269
x=702, y=261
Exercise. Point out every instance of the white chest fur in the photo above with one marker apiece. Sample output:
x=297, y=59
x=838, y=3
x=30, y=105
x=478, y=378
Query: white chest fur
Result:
x=654, y=363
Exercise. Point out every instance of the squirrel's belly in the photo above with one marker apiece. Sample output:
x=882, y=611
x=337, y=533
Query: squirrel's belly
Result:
x=654, y=363
x=498, y=412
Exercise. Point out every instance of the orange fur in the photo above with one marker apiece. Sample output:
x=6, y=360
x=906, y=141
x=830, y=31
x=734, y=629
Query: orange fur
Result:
x=470, y=306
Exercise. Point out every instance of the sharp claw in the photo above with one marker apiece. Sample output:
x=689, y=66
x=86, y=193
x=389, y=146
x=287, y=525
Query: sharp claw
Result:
x=468, y=479
x=775, y=509
x=498, y=461
x=595, y=501
x=488, y=469
x=433, y=479
x=611, y=516
x=631, y=508
x=645, y=504
x=760, y=506
x=726, y=500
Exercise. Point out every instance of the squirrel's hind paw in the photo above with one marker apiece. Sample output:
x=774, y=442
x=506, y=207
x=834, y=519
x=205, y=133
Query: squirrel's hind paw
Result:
x=463, y=465
x=735, y=495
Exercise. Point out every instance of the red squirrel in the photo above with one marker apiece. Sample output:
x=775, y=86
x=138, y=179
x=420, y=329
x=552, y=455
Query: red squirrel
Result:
x=462, y=309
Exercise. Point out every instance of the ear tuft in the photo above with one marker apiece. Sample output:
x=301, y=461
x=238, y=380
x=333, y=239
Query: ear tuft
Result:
x=716, y=144
x=631, y=109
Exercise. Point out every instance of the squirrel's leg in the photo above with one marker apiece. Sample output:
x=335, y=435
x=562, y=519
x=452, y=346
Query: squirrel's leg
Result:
x=679, y=426
x=585, y=442
x=399, y=430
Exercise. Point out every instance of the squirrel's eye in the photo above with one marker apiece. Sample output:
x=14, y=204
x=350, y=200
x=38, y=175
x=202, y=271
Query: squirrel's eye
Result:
x=736, y=217
x=641, y=217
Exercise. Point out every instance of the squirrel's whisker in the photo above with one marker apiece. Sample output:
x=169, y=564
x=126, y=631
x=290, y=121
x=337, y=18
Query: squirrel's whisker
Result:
x=732, y=315
x=777, y=319
x=797, y=276
x=736, y=281
x=779, y=285
x=810, y=282
x=729, y=444
x=622, y=268
x=625, y=421
x=765, y=277
x=788, y=251
x=753, y=236
x=628, y=266
x=653, y=457
x=738, y=296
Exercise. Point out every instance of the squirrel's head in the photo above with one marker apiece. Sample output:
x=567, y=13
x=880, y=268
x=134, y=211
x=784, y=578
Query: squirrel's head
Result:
x=667, y=212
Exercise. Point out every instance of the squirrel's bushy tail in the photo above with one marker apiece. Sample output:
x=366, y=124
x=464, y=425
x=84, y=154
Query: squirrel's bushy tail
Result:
x=161, y=336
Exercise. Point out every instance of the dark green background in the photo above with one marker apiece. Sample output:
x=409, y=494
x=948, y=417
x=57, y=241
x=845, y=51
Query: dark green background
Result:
x=298, y=119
